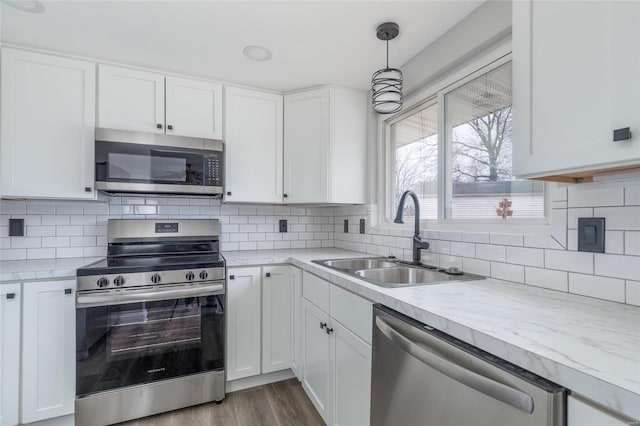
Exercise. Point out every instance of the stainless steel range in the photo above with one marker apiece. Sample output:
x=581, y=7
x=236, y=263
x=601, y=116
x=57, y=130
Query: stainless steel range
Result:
x=150, y=321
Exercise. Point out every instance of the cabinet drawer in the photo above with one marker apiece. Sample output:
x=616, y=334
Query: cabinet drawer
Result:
x=352, y=311
x=316, y=290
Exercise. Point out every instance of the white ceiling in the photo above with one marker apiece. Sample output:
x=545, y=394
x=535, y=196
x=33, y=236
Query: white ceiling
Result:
x=313, y=42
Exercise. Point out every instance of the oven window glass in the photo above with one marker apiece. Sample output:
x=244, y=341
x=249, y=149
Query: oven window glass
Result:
x=124, y=345
x=141, y=167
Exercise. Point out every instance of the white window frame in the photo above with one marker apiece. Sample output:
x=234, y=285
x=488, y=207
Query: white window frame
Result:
x=435, y=93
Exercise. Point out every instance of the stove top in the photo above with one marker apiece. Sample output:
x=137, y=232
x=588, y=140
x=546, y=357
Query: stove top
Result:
x=121, y=265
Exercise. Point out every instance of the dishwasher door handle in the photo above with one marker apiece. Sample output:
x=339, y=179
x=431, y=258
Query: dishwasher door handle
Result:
x=507, y=394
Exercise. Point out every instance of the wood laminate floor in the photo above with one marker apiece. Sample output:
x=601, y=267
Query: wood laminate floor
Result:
x=276, y=404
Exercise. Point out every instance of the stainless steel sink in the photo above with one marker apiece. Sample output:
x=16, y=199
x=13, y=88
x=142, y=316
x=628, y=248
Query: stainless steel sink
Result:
x=385, y=272
x=357, y=264
x=405, y=275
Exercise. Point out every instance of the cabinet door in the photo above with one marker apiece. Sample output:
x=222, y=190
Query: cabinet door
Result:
x=316, y=357
x=194, y=108
x=582, y=413
x=351, y=377
x=130, y=99
x=296, y=362
x=48, y=123
x=306, y=147
x=48, y=350
x=575, y=85
x=9, y=353
x=253, y=144
x=243, y=323
x=277, y=310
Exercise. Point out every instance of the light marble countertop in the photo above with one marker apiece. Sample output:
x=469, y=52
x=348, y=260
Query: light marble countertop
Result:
x=587, y=345
x=42, y=269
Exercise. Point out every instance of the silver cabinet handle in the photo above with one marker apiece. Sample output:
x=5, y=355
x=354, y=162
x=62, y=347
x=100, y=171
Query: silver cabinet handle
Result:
x=512, y=396
x=117, y=299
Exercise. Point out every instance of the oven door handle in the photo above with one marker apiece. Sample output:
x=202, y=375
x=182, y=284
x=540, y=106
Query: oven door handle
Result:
x=120, y=298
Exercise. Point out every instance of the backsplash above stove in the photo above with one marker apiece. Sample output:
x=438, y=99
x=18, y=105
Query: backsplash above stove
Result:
x=60, y=229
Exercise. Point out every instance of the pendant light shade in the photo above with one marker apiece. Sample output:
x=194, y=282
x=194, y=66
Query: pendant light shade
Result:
x=386, y=83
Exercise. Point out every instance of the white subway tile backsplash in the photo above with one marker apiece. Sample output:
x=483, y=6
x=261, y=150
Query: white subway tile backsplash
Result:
x=525, y=256
x=507, y=272
x=41, y=231
x=614, y=242
x=600, y=287
x=475, y=237
x=613, y=265
x=68, y=231
x=82, y=220
x=56, y=242
x=25, y=242
x=69, y=252
x=88, y=241
x=41, y=253
x=507, y=239
x=69, y=208
x=632, y=195
x=547, y=278
x=461, y=249
x=633, y=292
x=476, y=266
x=541, y=241
x=631, y=243
x=593, y=197
x=13, y=254
x=574, y=214
x=569, y=261
x=40, y=208
x=620, y=218
x=491, y=252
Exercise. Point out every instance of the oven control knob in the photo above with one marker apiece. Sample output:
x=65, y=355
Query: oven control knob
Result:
x=118, y=281
x=103, y=282
x=155, y=278
x=203, y=275
x=190, y=276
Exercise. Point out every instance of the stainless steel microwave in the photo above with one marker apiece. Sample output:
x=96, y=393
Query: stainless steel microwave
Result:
x=152, y=163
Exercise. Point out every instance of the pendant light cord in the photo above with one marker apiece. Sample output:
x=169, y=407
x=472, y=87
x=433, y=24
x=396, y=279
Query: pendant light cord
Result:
x=387, y=54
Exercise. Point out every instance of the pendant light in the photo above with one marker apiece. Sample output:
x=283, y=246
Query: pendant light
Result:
x=386, y=83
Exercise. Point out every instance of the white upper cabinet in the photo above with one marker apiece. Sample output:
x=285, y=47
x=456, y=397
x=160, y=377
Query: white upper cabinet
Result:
x=194, y=108
x=47, y=126
x=575, y=81
x=325, y=146
x=48, y=350
x=253, y=145
x=130, y=99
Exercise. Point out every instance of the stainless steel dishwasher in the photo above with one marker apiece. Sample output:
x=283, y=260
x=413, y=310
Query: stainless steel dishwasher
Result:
x=421, y=376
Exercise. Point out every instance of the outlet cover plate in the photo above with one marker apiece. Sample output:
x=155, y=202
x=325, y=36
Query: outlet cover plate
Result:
x=16, y=227
x=591, y=232
x=282, y=225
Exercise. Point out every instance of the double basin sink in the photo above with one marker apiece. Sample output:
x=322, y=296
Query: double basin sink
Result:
x=389, y=272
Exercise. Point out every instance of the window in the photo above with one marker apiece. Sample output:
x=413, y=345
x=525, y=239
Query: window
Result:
x=455, y=152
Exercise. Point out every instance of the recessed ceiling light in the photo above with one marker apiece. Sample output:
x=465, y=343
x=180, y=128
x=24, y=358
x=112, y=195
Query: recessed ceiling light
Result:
x=31, y=6
x=257, y=53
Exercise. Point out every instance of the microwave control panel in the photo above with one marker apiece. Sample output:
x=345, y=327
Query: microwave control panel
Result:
x=213, y=171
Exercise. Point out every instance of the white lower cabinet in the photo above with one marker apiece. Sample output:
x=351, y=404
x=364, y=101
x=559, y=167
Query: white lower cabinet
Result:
x=9, y=353
x=243, y=323
x=296, y=328
x=277, y=298
x=316, y=357
x=260, y=320
x=48, y=350
x=581, y=412
x=336, y=357
x=351, y=377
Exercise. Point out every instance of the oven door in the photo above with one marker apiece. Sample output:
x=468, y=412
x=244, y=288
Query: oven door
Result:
x=125, y=344
x=131, y=167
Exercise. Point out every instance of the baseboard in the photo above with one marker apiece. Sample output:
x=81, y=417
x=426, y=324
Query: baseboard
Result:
x=263, y=379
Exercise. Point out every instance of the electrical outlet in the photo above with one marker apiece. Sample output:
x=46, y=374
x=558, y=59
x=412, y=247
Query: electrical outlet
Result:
x=362, y=226
x=16, y=227
x=346, y=226
x=283, y=225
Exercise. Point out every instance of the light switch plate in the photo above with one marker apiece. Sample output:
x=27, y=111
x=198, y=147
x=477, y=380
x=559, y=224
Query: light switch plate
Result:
x=591, y=231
